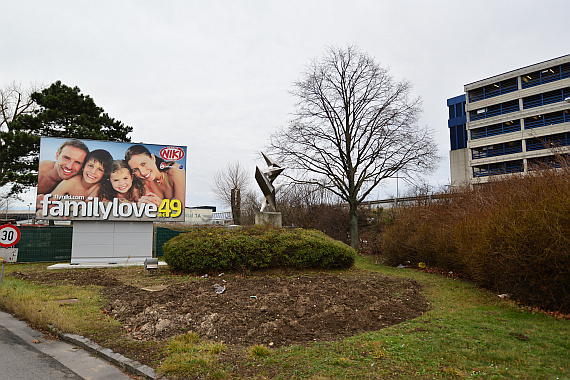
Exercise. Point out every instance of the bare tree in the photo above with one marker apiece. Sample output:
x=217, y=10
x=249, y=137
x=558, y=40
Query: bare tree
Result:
x=250, y=205
x=6, y=199
x=230, y=185
x=14, y=102
x=353, y=127
x=313, y=207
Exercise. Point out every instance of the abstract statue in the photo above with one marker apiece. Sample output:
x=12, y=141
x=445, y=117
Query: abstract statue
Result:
x=265, y=180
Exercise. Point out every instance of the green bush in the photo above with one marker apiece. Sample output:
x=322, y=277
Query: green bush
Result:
x=253, y=248
x=510, y=236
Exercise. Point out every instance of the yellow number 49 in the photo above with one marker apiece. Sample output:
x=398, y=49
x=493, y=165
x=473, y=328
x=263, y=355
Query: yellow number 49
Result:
x=170, y=205
x=164, y=209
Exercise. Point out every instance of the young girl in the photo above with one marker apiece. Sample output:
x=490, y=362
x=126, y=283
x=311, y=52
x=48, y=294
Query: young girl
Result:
x=122, y=184
x=88, y=181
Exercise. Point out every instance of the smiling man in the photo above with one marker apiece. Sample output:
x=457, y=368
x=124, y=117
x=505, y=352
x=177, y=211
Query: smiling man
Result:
x=68, y=163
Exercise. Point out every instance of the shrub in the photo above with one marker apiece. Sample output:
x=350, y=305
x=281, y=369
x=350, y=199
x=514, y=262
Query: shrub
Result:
x=254, y=248
x=522, y=247
x=511, y=236
x=312, y=207
x=259, y=351
x=372, y=224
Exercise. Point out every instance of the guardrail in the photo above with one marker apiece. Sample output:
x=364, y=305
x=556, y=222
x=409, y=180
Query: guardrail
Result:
x=561, y=74
x=497, y=171
x=493, y=93
x=495, y=152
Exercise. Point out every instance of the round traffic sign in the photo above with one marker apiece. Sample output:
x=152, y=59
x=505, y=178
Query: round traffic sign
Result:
x=9, y=235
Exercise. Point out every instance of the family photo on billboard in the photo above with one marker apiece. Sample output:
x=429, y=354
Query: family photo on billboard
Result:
x=106, y=180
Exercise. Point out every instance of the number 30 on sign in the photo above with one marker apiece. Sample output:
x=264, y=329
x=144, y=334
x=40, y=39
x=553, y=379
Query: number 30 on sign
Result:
x=9, y=235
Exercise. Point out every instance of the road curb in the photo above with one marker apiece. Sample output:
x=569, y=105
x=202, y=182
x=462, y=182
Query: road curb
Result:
x=119, y=360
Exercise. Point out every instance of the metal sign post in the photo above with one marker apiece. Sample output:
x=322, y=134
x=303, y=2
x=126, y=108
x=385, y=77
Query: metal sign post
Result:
x=9, y=236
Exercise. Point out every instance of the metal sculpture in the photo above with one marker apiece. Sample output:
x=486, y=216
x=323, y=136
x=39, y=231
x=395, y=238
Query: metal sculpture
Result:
x=265, y=180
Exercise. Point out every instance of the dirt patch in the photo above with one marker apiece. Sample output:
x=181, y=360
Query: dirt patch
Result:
x=78, y=277
x=275, y=310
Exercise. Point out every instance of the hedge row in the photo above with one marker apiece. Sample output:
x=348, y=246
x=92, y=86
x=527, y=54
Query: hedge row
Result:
x=510, y=236
x=253, y=248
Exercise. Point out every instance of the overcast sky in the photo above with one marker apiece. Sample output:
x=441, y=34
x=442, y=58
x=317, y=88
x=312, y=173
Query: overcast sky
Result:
x=215, y=75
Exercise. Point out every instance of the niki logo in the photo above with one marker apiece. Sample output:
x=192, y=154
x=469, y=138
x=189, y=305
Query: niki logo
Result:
x=172, y=153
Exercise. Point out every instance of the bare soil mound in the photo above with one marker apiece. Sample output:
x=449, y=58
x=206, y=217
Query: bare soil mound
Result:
x=275, y=310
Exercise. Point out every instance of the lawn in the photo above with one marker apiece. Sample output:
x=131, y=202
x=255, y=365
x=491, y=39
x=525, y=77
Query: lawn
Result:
x=466, y=333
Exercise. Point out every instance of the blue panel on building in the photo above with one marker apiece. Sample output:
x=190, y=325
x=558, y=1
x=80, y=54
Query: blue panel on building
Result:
x=456, y=122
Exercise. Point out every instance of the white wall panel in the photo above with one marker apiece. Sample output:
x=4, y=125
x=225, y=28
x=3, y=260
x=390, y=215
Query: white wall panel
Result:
x=112, y=242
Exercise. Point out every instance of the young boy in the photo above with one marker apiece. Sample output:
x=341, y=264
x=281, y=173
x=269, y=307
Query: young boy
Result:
x=97, y=163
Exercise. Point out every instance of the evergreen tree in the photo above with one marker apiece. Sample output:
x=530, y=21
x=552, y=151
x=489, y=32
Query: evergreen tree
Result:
x=62, y=111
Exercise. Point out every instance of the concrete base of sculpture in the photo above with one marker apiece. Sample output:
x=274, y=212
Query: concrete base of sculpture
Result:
x=271, y=218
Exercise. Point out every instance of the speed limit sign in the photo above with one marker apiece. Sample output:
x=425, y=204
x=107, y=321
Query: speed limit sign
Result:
x=9, y=235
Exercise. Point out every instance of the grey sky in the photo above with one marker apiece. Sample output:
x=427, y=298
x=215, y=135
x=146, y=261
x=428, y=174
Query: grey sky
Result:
x=215, y=75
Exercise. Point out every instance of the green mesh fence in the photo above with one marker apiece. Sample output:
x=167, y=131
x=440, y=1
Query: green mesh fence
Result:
x=161, y=236
x=44, y=244
x=53, y=243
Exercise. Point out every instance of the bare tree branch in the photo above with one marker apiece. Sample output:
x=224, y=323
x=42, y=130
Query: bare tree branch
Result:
x=231, y=185
x=14, y=102
x=353, y=127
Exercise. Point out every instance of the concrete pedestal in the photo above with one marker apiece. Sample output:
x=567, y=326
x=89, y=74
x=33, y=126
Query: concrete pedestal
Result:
x=111, y=242
x=271, y=218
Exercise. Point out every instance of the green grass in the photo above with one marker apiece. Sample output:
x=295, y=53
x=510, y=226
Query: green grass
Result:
x=259, y=351
x=467, y=333
x=191, y=357
x=41, y=306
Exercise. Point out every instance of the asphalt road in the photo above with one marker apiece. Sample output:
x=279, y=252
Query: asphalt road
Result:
x=26, y=355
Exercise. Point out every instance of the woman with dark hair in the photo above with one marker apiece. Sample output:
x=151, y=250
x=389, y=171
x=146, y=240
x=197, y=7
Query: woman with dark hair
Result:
x=164, y=179
x=97, y=164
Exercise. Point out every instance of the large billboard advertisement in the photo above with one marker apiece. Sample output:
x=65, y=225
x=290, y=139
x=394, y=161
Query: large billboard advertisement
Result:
x=110, y=181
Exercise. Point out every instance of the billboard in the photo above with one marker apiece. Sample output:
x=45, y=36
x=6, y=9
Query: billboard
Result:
x=110, y=181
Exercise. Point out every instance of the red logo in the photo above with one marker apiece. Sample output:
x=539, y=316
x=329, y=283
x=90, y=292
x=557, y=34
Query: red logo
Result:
x=172, y=153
